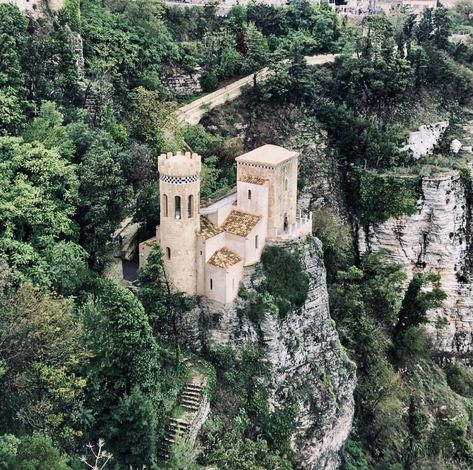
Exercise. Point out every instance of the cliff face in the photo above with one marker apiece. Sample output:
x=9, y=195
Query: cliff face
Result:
x=436, y=238
x=305, y=358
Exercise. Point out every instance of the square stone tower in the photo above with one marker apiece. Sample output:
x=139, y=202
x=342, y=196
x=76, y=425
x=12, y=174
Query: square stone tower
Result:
x=179, y=187
x=278, y=166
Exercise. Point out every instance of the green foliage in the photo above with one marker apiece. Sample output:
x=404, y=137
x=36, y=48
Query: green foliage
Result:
x=183, y=455
x=284, y=279
x=418, y=300
x=354, y=457
x=238, y=453
x=147, y=210
x=460, y=379
x=38, y=197
x=383, y=196
x=38, y=452
x=104, y=197
x=71, y=15
x=124, y=377
x=48, y=129
x=42, y=348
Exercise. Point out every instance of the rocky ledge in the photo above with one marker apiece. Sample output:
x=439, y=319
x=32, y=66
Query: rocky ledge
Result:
x=437, y=238
x=306, y=360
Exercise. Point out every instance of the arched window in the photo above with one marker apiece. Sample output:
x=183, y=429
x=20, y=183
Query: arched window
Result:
x=249, y=194
x=190, y=206
x=165, y=203
x=168, y=252
x=211, y=283
x=256, y=241
x=177, y=207
x=285, y=184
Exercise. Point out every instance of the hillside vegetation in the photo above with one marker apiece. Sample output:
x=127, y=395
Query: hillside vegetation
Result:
x=83, y=359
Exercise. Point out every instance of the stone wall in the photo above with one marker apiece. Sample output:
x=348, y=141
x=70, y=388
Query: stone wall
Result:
x=436, y=238
x=305, y=358
x=184, y=83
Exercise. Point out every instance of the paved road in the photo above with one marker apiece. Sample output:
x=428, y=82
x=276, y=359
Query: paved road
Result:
x=193, y=112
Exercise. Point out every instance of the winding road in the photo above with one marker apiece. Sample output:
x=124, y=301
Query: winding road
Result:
x=193, y=112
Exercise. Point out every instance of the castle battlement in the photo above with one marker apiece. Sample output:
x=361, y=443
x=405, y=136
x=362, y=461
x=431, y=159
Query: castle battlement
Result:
x=179, y=164
x=206, y=248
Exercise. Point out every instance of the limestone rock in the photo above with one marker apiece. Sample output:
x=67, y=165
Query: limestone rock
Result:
x=436, y=238
x=455, y=146
x=423, y=141
x=305, y=358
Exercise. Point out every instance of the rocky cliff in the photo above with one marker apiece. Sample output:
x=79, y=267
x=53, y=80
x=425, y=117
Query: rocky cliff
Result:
x=305, y=358
x=437, y=238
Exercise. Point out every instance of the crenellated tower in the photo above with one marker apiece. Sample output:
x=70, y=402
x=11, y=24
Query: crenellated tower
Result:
x=179, y=186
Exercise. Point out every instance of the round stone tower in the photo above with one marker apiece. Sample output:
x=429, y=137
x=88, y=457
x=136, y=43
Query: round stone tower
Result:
x=179, y=186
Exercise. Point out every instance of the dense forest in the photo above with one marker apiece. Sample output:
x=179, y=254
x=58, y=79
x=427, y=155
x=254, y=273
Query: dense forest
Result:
x=90, y=370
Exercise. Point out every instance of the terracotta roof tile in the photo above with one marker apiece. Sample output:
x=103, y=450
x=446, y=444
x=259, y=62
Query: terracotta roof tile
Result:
x=252, y=180
x=240, y=223
x=208, y=229
x=224, y=258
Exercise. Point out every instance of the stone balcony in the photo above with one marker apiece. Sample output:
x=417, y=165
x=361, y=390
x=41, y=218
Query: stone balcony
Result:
x=300, y=228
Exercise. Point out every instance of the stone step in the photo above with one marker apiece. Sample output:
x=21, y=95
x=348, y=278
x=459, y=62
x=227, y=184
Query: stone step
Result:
x=195, y=400
x=189, y=397
x=196, y=387
x=180, y=426
x=192, y=391
x=190, y=407
x=179, y=421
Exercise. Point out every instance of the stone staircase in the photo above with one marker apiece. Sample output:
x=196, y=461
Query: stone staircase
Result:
x=175, y=428
x=190, y=398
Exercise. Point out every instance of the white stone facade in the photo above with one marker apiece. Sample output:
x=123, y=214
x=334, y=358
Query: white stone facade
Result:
x=206, y=246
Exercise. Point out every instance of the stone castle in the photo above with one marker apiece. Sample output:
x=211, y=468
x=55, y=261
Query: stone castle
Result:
x=206, y=246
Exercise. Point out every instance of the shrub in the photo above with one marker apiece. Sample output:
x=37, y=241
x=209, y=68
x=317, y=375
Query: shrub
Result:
x=285, y=279
x=460, y=379
x=209, y=81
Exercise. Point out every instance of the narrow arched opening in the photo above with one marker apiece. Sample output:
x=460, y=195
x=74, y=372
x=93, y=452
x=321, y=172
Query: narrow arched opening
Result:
x=165, y=204
x=177, y=207
x=190, y=206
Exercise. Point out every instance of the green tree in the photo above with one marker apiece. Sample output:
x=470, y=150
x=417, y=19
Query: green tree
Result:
x=164, y=306
x=124, y=371
x=148, y=208
x=424, y=293
x=13, y=93
x=256, y=49
x=38, y=452
x=104, y=197
x=48, y=129
x=38, y=194
x=42, y=389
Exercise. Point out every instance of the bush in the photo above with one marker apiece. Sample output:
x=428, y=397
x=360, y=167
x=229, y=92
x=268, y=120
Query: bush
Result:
x=285, y=279
x=460, y=379
x=209, y=81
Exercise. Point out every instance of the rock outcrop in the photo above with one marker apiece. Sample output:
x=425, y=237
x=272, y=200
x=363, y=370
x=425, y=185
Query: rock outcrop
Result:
x=437, y=238
x=306, y=361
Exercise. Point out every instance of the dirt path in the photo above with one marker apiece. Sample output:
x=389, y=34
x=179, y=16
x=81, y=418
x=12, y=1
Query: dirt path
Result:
x=193, y=112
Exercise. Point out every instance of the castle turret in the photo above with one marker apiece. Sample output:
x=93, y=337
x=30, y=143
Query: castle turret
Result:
x=179, y=186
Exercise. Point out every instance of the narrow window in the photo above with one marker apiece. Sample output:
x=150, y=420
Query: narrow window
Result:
x=177, y=205
x=233, y=284
x=211, y=283
x=285, y=184
x=168, y=252
x=256, y=241
x=249, y=194
x=190, y=208
x=165, y=201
